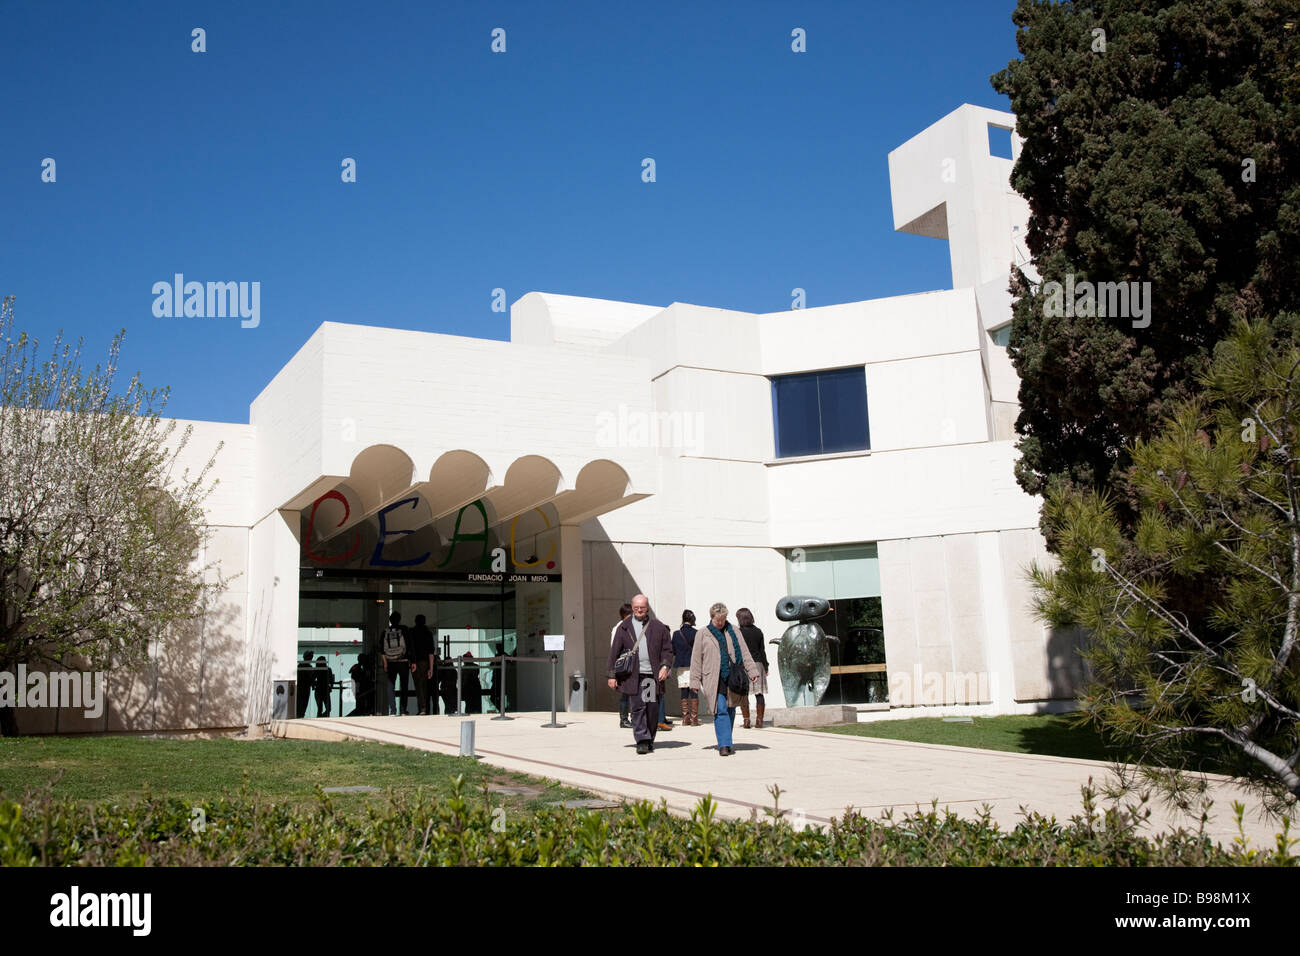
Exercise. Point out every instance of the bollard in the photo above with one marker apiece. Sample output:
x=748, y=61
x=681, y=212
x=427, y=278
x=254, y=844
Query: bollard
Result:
x=554, y=658
x=467, y=739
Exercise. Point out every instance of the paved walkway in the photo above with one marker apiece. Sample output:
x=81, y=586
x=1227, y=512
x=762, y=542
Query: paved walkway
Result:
x=819, y=774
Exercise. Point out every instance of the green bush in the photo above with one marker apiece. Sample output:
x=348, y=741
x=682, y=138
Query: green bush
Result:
x=466, y=830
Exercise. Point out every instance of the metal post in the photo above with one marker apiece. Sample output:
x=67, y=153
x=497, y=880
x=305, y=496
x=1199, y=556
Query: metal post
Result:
x=554, y=658
x=501, y=696
x=460, y=711
x=467, y=739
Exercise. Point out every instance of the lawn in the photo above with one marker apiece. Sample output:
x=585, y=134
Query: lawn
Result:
x=1056, y=735
x=111, y=769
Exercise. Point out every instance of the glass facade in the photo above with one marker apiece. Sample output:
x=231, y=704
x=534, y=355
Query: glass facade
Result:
x=820, y=413
x=849, y=577
x=341, y=616
x=486, y=587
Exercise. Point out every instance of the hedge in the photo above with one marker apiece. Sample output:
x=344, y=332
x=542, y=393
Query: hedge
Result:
x=466, y=830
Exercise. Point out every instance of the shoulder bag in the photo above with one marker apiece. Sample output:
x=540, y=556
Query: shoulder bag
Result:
x=737, y=677
x=628, y=662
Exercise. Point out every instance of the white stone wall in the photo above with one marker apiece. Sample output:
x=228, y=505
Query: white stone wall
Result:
x=272, y=645
x=944, y=183
x=680, y=398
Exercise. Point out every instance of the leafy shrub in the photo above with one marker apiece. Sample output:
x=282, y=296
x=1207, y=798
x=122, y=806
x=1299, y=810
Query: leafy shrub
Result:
x=463, y=830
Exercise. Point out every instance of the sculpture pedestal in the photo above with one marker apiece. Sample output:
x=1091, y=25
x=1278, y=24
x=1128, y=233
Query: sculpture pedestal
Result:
x=821, y=716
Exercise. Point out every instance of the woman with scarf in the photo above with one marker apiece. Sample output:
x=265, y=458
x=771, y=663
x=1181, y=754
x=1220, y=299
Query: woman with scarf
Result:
x=718, y=649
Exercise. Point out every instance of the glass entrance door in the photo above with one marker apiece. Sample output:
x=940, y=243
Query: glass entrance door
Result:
x=342, y=615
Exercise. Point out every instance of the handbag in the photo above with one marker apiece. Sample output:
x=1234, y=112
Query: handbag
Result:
x=737, y=678
x=628, y=662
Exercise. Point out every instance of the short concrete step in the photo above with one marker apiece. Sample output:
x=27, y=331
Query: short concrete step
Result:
x=821, y=716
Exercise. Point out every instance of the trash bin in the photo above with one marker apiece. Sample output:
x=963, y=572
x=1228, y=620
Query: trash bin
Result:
x=283, y=700
x=577, y=693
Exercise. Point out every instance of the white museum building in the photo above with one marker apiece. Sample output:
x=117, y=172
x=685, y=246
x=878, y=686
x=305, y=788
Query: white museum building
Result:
x=860, y=452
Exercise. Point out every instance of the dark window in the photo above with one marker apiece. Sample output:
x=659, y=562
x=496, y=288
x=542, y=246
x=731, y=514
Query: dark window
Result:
x=819, y=413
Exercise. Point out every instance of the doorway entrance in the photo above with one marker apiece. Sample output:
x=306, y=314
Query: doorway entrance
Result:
x=342, y=614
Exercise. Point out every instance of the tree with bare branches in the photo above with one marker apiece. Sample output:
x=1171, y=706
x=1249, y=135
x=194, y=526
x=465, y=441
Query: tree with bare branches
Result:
x=100, y=536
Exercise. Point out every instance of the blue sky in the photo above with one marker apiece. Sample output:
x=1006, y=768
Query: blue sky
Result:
x=474, y=170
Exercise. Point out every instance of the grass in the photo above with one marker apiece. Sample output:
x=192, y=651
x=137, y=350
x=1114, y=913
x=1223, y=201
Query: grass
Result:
x=1055, y=735
x=124, y=769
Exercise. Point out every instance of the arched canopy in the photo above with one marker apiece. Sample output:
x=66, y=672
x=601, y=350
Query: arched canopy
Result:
x=532, y=496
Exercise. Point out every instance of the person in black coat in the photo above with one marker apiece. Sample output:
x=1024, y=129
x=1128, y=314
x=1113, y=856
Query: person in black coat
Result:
x=363, y=676
x=306, y=681
x=645, y=683
x=757, y=650
x=447, y=684
x=471, y=688
x=422, y=657
x=683, y=644
x=324, y=684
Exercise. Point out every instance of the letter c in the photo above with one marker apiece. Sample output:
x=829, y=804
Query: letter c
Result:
x=311, y=522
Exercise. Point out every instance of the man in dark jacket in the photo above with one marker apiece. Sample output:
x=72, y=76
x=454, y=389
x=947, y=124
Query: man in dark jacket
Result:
x=446, y=672
x=363, y=676
x=324, y=684
x=306, y=681
x=645, y=683
x=421, y=652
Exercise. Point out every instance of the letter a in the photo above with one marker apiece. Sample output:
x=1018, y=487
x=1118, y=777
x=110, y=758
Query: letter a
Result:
x=1052, y=305
x=59, y=915
x=200, y=44
x=162, y=305
x=457, y=537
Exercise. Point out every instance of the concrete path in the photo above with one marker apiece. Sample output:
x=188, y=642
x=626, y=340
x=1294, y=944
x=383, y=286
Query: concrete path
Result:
x=819, y=774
